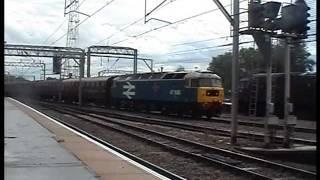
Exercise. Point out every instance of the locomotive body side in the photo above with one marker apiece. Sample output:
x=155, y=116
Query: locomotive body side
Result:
x=178, y=92
x=156, y=93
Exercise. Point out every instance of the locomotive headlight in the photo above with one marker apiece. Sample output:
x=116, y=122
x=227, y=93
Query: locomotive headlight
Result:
x=212, y=92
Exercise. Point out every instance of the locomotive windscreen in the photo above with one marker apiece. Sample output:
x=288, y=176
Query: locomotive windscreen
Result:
x=206, y=82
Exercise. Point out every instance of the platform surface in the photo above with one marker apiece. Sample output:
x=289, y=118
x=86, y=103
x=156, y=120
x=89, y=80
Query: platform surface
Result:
x=38, y=148
x=32, y=153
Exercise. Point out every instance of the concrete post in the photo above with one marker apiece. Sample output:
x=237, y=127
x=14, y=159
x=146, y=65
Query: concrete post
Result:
x=235, y=72
x=286, y=127
x=268, y=94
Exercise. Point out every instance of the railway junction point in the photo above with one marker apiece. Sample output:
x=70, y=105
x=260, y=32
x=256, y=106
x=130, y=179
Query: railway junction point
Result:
x=38, y=147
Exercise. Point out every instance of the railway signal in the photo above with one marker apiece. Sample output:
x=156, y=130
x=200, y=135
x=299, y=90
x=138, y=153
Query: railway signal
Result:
x=255, y=14
x=294, y=19
x=262, y=15
x=302, y=17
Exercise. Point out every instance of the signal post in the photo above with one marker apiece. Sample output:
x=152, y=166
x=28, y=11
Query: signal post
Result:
x=262, y=25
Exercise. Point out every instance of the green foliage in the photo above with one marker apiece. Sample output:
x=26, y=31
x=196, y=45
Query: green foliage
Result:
x=221, y=65
x=300, y=61
x=251, y=62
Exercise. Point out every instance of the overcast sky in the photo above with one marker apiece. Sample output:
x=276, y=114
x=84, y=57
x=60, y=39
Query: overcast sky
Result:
x=37, y=22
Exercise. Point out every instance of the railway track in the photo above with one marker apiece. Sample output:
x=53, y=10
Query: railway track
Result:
x=259, y=125
x=240, y=163
x=187, y=126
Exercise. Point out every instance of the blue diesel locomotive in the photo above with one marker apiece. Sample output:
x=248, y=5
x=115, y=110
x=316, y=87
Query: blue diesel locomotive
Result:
x=197, y=93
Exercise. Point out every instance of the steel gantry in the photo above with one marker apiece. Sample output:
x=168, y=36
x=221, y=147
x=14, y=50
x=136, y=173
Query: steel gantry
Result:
x=27, y=64
x=112, y=51
x=49, y=51
x=46, y=51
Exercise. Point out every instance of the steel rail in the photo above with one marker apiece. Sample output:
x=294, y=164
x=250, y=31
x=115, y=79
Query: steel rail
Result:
x=181, y=125
x=260, y=125
x=147, y=164
x=176, y=150
x=202, y=146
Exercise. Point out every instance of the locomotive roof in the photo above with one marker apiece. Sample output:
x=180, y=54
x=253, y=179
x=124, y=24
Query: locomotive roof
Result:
x=104, y=78
x=206, y=74
x=167, y=75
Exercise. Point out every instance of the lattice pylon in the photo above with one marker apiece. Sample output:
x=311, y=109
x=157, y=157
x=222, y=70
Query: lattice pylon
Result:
x=71, y=8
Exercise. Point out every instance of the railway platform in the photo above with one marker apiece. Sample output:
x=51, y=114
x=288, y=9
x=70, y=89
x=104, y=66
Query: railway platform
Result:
x=38, y=147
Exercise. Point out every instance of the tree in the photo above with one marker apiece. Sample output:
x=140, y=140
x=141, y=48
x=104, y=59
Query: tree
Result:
x=221, y=65
x=300, y=61
x=251, y=62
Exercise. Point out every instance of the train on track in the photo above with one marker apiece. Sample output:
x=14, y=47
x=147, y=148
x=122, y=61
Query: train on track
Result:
x=197, y=93
x=252, y=93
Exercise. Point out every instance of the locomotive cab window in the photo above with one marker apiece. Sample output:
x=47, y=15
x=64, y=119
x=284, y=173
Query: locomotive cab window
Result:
x=210, y=82
x=205, y=82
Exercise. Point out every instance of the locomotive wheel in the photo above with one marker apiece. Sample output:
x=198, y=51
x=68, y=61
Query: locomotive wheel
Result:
x=117, y=105
x=217, y=113
x=195, y=114
x=209, y=115
x=164, y=111
x=178, y=110
x=145, y=107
